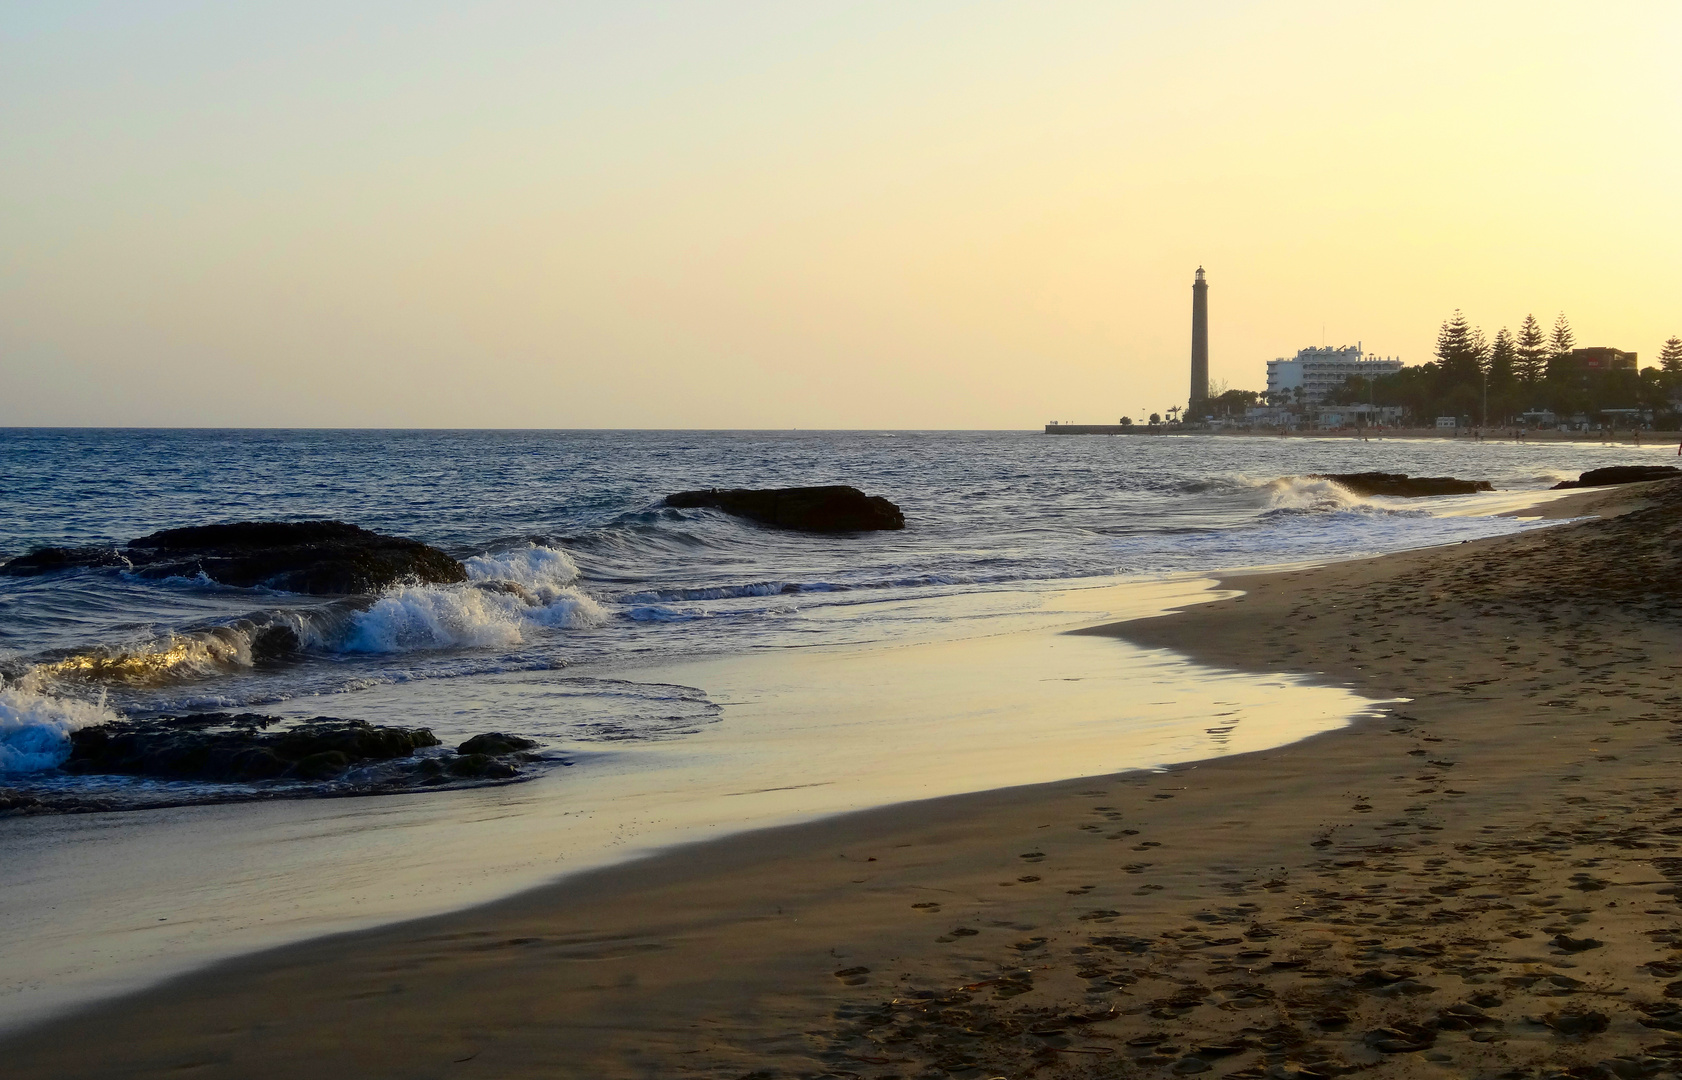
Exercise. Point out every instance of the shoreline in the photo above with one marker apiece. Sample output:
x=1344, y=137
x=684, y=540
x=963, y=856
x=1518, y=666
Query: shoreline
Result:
x=752, y=938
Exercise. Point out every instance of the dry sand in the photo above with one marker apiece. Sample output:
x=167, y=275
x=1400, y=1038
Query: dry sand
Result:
x=1481, y=883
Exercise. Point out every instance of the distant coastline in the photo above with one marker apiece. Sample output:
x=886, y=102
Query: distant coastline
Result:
x=1503, y=434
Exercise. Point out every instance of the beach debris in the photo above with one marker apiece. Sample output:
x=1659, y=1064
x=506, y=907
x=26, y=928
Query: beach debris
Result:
x=1403, y=485
x=315, y=557
x=1620, y=474
x=836, y=508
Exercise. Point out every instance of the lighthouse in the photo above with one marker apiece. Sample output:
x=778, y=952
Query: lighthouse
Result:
x=1199, y=346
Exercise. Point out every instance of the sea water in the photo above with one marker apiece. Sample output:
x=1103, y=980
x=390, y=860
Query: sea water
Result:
x=611, y=575
x=685, y=673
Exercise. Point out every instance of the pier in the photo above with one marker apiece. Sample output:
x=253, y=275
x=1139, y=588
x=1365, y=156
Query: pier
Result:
x=1103, y=429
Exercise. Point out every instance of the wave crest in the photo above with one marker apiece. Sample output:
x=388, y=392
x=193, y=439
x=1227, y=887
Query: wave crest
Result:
x=1309, y=495
x=508, y=595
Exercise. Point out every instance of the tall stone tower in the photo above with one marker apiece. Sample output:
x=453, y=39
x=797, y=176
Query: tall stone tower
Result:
x=1199, y=345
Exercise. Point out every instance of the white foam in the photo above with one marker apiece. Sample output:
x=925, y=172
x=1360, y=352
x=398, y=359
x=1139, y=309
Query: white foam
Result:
x=508, y=596
x=35, y=728
x=533, y=566
x=1309, y=494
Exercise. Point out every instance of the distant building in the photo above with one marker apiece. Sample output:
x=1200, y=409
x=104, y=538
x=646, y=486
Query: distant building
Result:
x=1319, y=371
x=1601, y=358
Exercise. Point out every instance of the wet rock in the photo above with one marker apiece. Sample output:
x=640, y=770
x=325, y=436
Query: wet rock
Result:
x=837, y=508
x=481, y=766
x=49, y=560
x=317, y=557
x=323, y=766
x=236, y=748
x=495, y=743
x=1401, y=484
x=1620, y=474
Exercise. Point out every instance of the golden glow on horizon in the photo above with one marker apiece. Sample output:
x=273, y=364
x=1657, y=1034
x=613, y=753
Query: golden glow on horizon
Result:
x=743, y=215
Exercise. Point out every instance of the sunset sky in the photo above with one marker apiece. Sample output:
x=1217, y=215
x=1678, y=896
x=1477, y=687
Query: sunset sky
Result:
x=818, y=215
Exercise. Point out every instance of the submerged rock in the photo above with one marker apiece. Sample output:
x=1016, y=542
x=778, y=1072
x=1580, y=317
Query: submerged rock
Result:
x=318, y=557
x=837, y=508
x=1403, y=485
x=1620, y=474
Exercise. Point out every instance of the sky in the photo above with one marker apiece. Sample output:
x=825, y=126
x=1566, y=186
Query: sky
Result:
x=803, y=215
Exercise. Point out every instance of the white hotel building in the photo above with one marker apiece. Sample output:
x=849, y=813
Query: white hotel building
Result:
x=1321, y=370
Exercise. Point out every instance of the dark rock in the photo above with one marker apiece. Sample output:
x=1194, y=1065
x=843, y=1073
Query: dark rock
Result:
x=319, y=557
x=323, y=766
x=1401, y=484
x=809, y=509
x=1620, y=474
x=14, y=802
x=495, y=743
x=233, y=748
x=481, y=765
x=306, y=556
x=50, y=560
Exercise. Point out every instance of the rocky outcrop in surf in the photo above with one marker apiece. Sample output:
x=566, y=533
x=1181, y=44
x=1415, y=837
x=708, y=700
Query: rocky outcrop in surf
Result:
x=235, y=748
x=1403, y=485
x=833, y=509
x=241, y=757
x=1620, y=474
x=241, y=748
x=316, y=557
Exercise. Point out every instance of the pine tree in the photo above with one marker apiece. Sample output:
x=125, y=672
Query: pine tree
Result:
x=1670, y=357
x=1560, y=343
x=1532, y=362
x=1503, y=358
x=1460, y=350
x=1562, y=340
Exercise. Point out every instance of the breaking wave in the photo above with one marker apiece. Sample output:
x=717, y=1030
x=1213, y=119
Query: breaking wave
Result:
x=1295, y=495
x=35, y=728
x=507, y=597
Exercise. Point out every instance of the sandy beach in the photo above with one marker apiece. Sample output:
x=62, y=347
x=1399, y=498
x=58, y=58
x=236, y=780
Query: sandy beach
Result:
x=1480, y=883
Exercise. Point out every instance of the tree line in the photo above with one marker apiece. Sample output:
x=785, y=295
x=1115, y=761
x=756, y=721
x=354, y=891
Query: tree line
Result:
x=1493, y=382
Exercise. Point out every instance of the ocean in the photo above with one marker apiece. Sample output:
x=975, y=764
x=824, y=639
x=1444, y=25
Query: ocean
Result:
x=611, y=578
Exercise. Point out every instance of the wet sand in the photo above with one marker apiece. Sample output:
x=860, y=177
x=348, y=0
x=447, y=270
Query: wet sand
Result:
x=1482, y=882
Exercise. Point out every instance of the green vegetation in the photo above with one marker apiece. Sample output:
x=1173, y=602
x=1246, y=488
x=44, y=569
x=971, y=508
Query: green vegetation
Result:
x=1494, y=382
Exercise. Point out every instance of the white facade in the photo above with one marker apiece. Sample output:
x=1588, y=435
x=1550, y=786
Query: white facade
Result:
x=1321, y=370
